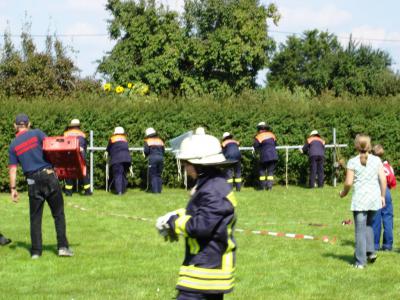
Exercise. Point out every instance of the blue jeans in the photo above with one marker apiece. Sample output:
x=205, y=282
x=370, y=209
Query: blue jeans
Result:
x=364, y=235
x=384, y=217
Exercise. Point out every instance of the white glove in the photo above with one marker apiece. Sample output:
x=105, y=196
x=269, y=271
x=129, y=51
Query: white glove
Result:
x=162, y=222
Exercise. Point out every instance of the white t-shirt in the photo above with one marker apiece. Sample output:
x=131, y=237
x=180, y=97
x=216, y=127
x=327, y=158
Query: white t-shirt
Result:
x=366, y=191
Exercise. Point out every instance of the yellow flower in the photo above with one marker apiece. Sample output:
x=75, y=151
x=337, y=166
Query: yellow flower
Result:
x=119, y=89
x=107, y=87
x=130, y=85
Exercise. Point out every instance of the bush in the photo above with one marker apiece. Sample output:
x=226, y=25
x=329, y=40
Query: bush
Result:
x=291, y=117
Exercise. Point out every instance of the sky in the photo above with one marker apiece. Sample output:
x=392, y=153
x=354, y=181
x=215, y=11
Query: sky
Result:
x=82, y=24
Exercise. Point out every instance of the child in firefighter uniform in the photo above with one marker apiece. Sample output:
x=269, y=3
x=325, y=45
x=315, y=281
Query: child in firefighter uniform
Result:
x=120, y=159
x=154, y=150
x=384, y=216
x=264, y=144
x=314, y=147
x=74, y=129
x=230, y=149
x=207, y=223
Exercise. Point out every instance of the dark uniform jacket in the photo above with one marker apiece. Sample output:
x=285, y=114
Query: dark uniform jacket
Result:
x=315, y=146
x=153, y=146
x=265, y=143
x=208, y=227
x=118, y=149
x=230, y=149
x=81, y=137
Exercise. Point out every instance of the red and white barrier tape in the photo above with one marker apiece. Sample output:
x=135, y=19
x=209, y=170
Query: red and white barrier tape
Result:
x=324, y=238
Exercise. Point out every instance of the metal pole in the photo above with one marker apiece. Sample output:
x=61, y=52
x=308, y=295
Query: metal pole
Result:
x=91, y=160
x=287, y=162
x=334, y=157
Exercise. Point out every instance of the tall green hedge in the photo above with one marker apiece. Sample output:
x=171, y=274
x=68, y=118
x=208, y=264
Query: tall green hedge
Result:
x=291, y=116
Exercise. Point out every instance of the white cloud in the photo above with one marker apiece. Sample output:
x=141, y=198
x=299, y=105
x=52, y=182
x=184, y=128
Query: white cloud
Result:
x=300, y=18
x=81, y=28
x=86, y=5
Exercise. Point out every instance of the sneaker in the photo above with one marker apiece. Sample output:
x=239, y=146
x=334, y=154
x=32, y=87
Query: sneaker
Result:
x=372, y=258
x=65, y=252
x=358, y=266
x=3, y=240
x=35, y=256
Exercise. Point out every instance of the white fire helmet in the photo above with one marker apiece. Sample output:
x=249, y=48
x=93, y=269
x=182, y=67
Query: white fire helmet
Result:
x=314, y=132
x=225, y=135
x=75, y=123
x=201, y=149
x=150, y=131
x=119, y=130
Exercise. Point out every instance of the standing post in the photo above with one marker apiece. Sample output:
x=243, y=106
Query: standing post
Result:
x=287, y=162
x=91, y=160
x=334, y=156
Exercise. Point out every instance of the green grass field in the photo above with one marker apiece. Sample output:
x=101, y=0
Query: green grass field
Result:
x=119, y=255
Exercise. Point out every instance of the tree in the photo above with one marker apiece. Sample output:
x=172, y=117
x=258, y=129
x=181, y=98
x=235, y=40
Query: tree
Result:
x=228, y=42
x=28, y=72
x=317, y=62
x=218, y=47
x=149, y=45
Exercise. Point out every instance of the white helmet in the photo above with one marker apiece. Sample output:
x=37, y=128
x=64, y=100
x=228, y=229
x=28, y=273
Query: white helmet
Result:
x=261, y=124
x=200, y=130
x=119, y=130
x=150, y=131
x=314, y=132
x=225, y=135
x=75, y=123
x=202, y=149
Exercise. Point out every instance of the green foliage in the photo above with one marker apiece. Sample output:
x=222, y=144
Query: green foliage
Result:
x=292, y=117
x=28, y=72
x=317, y=62
x=218, y=48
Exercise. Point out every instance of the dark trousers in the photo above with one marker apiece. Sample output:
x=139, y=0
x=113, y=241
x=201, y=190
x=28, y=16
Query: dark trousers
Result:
x=42, y=187
x=266, y=172
x=234, y=176
x=384, y=216
x=119, y=180
x=84, y=182
x=183, y=295
x=316, y=168
x=156, y=165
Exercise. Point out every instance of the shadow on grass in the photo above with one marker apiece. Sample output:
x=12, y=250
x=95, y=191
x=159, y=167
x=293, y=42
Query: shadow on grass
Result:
x=347, y=243
x=46, y=248
x=347, y=258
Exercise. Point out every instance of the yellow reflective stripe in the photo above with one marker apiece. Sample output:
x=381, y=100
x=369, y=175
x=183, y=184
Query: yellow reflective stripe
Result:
x=86, y=186
x=68, y=187
x=205, y=273
x=180, y=224
x=270, y=177
x=232, y=199
x=204, y=284
x=180, y=212
x=238, y=180
x=194, y=246
x=262, y=177
x=230, y=180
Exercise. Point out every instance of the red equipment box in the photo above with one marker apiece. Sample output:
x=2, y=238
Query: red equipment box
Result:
x=64, y=154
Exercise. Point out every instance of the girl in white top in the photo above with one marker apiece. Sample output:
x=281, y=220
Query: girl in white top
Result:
x=366, y=172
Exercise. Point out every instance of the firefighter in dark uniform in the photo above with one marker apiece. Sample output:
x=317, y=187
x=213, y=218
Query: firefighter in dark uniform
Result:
x=3, y=240
x=154, y=151
x=265, y=145
x=314, y=147
x=120, y=159
x=207, y=224
x=74, y=129
x=27, y=150
x=230, y=149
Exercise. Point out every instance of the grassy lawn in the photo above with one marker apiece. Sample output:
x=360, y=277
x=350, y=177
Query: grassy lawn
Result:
x=119, y=255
